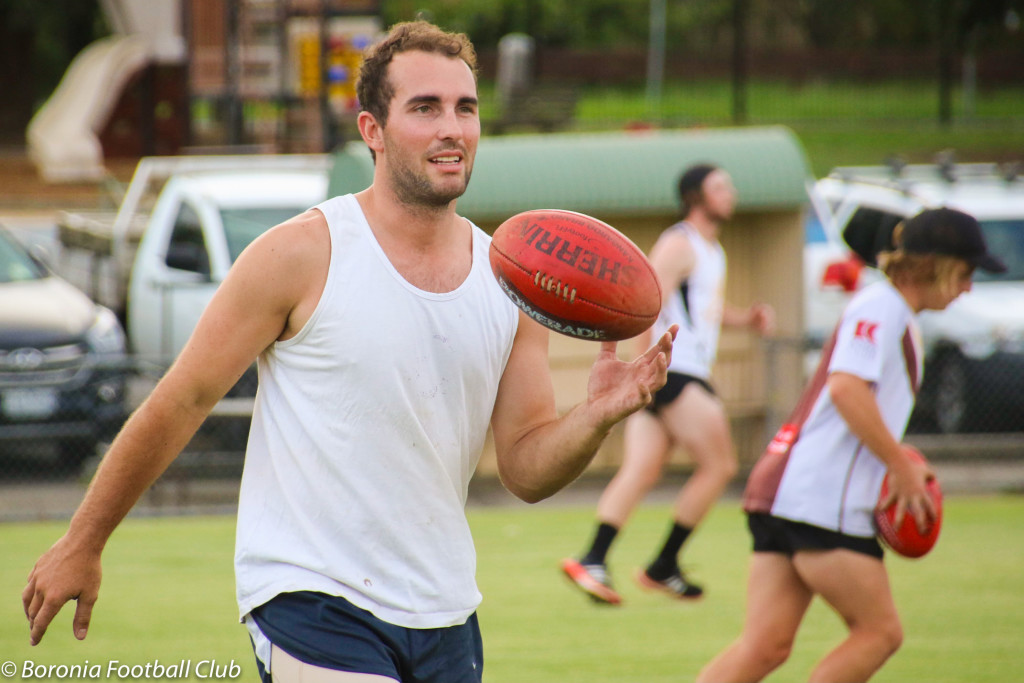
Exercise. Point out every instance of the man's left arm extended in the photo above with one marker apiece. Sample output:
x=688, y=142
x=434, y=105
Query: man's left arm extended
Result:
x=539, y=452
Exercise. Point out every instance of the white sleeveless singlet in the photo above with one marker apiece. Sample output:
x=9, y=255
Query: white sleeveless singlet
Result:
x=696, y=306
x=367, y=427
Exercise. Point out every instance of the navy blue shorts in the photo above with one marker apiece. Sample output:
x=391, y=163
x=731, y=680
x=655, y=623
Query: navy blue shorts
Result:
x=331, y=632
x=776, y=535
x=673, y=388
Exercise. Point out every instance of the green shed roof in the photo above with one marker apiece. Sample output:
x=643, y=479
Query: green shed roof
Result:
x=621, y=173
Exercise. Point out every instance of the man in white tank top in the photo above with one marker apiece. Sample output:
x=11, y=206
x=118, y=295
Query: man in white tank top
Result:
x=811, y=495
x=690, y=263
x=385, y=351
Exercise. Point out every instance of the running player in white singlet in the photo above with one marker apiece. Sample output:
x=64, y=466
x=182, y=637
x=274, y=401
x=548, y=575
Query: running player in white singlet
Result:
x=810, y=497
x=696, y=305
x=691, y=266
x=385, y=351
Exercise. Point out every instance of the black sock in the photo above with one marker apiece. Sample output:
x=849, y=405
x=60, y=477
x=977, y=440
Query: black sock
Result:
x=602, y=542
x=666, y=563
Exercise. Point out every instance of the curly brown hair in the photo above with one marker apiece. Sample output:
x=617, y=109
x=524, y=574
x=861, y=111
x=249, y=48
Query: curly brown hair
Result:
x=373, y=88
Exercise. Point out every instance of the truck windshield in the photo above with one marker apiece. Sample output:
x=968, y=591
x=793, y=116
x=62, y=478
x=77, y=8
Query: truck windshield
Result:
x=1005, y=239
x=242, y=226
x=15, y=263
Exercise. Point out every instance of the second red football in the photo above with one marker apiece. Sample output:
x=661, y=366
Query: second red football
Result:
x=907, y=539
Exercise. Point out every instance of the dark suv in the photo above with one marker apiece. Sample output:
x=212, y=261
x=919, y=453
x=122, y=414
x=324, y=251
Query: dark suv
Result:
x=62, y=364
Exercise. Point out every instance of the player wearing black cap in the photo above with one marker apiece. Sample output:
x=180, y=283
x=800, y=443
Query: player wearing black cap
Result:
x=810, y=497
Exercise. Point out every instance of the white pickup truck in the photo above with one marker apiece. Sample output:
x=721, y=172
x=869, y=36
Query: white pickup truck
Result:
x=974, y=349
x=158, y=266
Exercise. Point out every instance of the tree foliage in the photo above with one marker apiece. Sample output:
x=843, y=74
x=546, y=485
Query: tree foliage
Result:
x=37, y=42
x=571, y=23
x=56, y=30
x=707, y=24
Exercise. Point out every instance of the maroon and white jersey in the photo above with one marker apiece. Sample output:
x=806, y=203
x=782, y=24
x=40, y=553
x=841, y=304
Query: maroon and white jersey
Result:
x=816, y=470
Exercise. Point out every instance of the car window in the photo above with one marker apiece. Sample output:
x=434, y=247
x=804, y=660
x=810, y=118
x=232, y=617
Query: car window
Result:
x=814, y=231
x=1005, y=239
x=187, y=250
x=242, y=226
x=15, y=263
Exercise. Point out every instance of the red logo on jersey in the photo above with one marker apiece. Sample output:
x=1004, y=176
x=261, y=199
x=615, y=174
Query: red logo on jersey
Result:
x=865, y=330
x=784, y=439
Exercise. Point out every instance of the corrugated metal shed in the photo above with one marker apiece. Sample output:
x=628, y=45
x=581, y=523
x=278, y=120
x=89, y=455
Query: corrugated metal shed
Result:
x=620, y=173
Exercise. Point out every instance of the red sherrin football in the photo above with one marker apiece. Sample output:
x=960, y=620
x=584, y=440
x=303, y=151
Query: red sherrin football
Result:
x=575, y=274
x=907, y=540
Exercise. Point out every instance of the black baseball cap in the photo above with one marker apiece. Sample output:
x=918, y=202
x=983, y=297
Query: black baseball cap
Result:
x=951, y=233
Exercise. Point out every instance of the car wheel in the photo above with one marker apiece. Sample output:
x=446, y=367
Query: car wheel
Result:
x=953, y=394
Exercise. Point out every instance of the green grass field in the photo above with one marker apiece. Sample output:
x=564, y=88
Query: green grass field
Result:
x=168, y=596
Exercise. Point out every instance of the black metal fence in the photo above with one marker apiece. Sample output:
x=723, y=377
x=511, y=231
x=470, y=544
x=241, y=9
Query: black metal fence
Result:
x=805, y=86
x=52, y=430
x=58, y=431
x=780, y=80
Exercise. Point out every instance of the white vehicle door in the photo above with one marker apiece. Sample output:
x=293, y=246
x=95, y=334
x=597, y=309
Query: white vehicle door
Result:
x=176, y=286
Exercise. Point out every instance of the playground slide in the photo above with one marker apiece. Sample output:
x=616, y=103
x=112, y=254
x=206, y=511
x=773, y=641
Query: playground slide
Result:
x=63, y=139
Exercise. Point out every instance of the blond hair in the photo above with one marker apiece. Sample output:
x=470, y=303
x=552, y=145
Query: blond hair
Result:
x=940, y=270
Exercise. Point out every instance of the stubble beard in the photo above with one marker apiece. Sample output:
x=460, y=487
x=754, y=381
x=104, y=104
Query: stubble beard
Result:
x=414, y=189
x=720, y=216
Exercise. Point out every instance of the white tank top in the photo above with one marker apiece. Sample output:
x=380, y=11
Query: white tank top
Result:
x=367, y=427
x=696, y=306
x=816, y=470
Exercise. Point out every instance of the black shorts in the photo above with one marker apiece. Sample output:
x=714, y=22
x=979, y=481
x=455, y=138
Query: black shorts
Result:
x=330, y=632
x=677, y=381
x=776, y=535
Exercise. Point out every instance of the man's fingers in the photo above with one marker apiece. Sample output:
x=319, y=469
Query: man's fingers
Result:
x=42, y=619
x=35, y=604
x=662, y=347
x=27, y=595
x=83, y=614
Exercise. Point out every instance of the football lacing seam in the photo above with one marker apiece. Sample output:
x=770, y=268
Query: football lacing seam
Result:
x=548, y=284
x=518, y=266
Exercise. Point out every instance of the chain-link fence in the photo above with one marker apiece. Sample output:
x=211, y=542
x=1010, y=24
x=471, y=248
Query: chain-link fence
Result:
x=57, y=405
x=56, y=428
x=961, y=395
x=596, y=66
x=796, y=85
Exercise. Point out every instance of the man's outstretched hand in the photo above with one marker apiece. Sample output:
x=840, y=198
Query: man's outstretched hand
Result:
x=620, y=388
x=63, y=573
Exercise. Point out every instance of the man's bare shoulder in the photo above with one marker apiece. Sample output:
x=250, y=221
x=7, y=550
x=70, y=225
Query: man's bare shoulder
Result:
x=301, y=237
x=285, y=268
x=673, y=243
x=308, y=226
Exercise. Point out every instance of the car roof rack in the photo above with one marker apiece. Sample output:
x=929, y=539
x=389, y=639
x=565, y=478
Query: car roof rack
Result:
x=899, y=175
